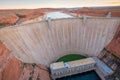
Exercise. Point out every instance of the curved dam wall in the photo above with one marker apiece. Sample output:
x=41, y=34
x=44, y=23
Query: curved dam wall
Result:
x=44, y=42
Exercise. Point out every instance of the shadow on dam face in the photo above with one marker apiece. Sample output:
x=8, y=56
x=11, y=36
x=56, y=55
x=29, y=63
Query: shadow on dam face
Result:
x=44, y=42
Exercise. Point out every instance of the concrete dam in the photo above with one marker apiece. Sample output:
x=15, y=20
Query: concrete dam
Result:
x=44, y=42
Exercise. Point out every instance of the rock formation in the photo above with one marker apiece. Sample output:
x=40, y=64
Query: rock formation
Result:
x=7, y=19
x=114, y=45
x=13, y=69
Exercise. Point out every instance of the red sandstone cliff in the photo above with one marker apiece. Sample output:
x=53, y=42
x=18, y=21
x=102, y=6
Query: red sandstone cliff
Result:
x=13, y=69
x=114, y=45
x=100, y=12
x=8, y=19
x=9, y=65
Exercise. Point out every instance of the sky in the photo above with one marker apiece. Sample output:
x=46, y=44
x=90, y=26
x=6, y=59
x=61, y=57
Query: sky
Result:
x=31, y=4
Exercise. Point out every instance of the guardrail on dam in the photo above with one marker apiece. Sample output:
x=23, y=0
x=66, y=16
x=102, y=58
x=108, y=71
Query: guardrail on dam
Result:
x=44, y=42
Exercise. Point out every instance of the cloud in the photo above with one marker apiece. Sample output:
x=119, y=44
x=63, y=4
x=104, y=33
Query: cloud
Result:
x=115, y=3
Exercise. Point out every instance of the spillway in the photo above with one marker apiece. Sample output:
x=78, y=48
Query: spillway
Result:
x=44, y=42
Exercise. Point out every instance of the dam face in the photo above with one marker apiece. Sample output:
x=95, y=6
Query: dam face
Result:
x=44, y=42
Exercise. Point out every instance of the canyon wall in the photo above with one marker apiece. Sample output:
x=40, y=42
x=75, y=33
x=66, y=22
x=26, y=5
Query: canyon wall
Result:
x=46, y=41
x=13, y=69
x=10, y=67
x=114, y=45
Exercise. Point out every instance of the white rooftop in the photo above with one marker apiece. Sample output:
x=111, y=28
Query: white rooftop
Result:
x=76, y=63
x=57, y=15
x=57, y=65
x=81, y=62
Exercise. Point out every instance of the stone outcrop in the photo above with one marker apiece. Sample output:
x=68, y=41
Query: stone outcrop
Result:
x=13, y=69
x=7, y=19
x=114, y=45
x=101, y=12
x=10, y=67
x=11, y=17
x=29, y=16
x=34, y=72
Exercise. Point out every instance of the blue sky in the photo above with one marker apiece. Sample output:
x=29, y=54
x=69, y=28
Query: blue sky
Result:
x=17, y=4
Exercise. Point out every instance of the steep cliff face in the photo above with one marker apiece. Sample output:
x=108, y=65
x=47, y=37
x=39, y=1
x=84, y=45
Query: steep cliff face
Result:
x=10, y=67
x=11, y=17
x=13, y=69
x=114, y=45
x=8, y=19
x=34, y=72
x=101, y=12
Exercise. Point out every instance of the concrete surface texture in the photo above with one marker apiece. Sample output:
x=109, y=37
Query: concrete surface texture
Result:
x=44, y=42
